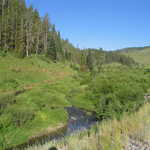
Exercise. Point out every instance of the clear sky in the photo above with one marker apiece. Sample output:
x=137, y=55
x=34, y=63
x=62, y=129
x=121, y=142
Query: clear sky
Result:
x=110, y=24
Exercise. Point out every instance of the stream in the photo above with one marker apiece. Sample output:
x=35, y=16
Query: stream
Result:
x=79, y=120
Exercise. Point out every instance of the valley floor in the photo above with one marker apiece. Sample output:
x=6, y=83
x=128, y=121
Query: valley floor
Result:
x=35, y=91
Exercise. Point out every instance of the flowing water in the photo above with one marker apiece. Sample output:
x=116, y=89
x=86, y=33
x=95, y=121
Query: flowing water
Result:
x=79, y=120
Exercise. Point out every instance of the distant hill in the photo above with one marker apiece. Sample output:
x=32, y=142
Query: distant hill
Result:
x=139, y=54
x=128, y=49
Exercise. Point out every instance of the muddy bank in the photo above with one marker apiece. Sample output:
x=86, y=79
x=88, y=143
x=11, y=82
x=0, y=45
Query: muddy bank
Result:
x=42, y=137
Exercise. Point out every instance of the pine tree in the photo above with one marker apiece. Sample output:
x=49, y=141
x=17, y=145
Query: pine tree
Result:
x=52, y=49
x=46, y=27
x=36, y=32
x=90, y=60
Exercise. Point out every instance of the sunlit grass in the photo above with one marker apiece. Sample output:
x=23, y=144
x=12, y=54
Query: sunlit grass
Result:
x=44, y=86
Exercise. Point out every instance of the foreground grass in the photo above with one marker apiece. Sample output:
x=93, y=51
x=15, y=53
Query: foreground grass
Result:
x=109, y=135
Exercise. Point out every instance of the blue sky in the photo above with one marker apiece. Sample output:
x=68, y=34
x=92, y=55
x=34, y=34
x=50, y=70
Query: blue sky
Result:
x=110, y=24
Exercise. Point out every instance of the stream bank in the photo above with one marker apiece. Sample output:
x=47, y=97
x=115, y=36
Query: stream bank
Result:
x=78, y=120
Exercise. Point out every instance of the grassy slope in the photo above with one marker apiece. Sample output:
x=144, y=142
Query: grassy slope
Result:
x=110, y=135
x=45, y=85
x=139, y=55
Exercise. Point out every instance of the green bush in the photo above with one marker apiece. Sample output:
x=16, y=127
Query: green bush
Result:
x=20, y=115
x=5, y=100
x=118, y=92
x=3, y=53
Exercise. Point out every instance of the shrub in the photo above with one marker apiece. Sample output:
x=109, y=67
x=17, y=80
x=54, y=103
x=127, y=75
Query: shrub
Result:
x=118, y=92
x=5, y=100
x=20, y=115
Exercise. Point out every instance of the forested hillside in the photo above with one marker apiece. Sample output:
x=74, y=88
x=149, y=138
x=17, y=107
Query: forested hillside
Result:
x=24, y=33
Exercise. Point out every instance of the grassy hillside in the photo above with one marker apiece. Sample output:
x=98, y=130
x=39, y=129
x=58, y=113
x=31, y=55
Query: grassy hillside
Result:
x=140, y=55
x=109, y=135
x=33, y=94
